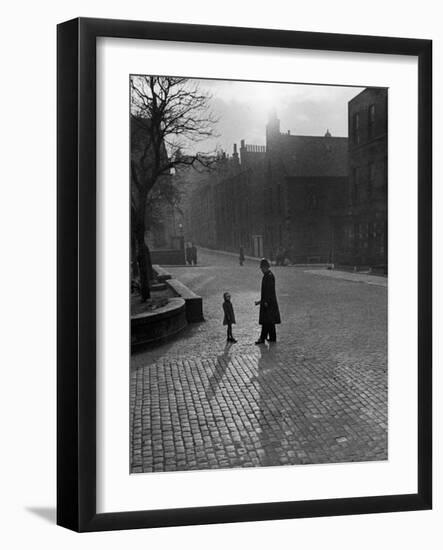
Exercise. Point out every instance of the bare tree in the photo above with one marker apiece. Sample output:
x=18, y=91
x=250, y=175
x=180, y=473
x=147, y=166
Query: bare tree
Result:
x=168, y=116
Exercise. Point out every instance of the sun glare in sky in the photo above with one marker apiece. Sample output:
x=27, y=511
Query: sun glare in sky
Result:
x=243, y=109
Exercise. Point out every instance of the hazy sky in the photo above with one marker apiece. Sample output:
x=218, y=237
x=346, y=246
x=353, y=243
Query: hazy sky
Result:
x=243, y=109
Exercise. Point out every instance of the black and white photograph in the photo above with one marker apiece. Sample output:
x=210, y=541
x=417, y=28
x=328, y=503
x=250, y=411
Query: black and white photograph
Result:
x=230, y=215
x=258, y=274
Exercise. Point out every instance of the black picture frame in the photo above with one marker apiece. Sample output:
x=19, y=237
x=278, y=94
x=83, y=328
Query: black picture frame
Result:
x=76, y=266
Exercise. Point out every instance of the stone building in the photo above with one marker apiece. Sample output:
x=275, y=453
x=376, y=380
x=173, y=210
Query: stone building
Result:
x=361, y=229
x=273, y=197
x=306, y=176
x=320, y=199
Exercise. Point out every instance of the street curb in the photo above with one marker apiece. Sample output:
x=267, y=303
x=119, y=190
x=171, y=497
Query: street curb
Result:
x=226, y=253
x=254, y=259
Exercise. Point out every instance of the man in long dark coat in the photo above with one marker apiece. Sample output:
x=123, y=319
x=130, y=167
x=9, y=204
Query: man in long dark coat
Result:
x=269, y=312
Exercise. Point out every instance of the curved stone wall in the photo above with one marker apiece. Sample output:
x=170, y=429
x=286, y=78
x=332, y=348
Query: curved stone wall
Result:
x=160, y=324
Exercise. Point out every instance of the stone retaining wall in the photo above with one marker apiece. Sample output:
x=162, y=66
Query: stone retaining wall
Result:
x=160, y=324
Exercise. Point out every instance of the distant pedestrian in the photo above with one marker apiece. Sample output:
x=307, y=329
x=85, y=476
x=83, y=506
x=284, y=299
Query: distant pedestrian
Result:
x=241, y=256
x=229, y=318
x=269, y=312
x=189, y=254
x=194, y=254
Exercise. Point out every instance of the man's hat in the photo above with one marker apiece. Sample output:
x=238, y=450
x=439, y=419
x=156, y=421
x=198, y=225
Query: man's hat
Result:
x=264, y=263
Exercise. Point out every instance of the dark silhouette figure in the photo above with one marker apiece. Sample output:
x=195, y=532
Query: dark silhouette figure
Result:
x=194, y=254
x=229, y=318
x=188, y=254
x=269, y=312
x=241, y=257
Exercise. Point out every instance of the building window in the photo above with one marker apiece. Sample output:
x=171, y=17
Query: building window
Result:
x=371, y=179
x=371, y=236
x=371, y=121
x=355, y=185
x=356, y=236
x=380, y=237
x=268, y=200
x=279, y=199
x=356, y=128
x=360, y=236
x=364, y=235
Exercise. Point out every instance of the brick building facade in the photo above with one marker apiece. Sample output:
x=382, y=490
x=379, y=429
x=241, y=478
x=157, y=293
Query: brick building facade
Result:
x=361, y=231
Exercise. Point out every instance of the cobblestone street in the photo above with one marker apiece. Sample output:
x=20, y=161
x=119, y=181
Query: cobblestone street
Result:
x=318, y=395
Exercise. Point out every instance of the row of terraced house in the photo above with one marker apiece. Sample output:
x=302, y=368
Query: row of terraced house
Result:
x=317, y=199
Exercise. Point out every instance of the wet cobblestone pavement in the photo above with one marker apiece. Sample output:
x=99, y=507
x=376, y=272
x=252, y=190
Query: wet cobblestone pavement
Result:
x=318, y=395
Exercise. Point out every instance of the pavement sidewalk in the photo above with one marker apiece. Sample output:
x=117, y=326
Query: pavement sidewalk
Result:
x=376, y=280
x=255, y=259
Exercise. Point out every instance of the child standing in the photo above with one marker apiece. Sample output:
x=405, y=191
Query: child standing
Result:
x=229, y=318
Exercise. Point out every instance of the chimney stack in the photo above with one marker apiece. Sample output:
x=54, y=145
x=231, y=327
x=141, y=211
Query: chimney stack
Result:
x=235, y=154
